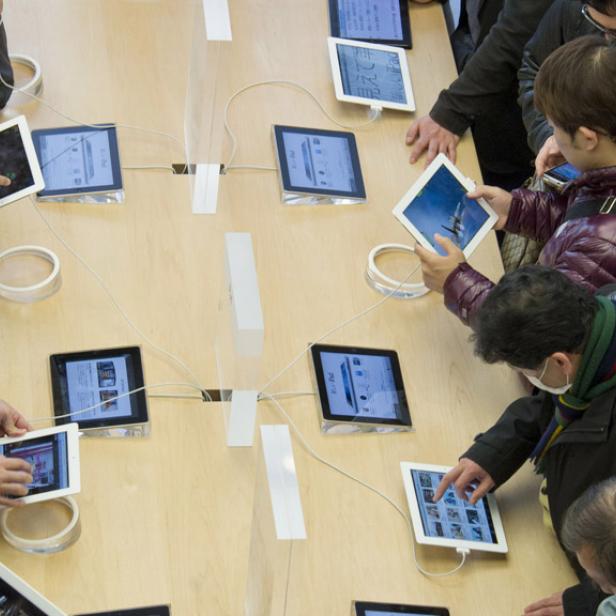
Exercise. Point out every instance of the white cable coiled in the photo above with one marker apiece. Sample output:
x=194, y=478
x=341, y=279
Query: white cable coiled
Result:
x=33, y=87
x=35, y=292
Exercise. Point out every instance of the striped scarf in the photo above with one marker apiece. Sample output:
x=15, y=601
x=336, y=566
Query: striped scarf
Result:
x=596, y=374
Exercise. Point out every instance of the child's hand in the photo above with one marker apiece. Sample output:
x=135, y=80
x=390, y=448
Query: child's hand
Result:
x=499, y=200
x=549, y=156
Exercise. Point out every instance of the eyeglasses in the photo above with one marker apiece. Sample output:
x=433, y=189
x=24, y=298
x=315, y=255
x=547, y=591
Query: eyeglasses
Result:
x=607, y=31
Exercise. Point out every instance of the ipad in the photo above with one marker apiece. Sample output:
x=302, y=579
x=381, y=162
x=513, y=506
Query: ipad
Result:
x=451, y=522
x=437, y=203
x=89, y=378
x=360, y=385
x=78, y=160
x=385, y=22
x=54, y=456
x=157, y=610
x=370, y=74
x=370, y=608
x=17, y=598
x=18, y=161
x=321, y=162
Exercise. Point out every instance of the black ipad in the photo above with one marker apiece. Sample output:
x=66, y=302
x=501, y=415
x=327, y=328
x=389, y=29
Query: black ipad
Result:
x=157, y=610
x=96, y=379
x=370, y=608
x=78, y=159
x=360, y=385
x=383, y=21
x=321, y=162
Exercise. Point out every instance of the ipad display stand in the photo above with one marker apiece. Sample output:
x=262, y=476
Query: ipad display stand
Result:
x=239, y=340
x=130, y=431
x=116, y=196
x=278, y=536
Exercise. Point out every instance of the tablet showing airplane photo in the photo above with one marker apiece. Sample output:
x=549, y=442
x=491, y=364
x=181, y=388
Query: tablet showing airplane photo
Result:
x=18, y=598
x=437, y=203
x=385, y=22
x=53, y=454
x=18, y=161
x=373, y=608
x=320, y=162
x=91, y=387
x=77, y=160
x=370, y=74
x=360, y=385
x=451, y=522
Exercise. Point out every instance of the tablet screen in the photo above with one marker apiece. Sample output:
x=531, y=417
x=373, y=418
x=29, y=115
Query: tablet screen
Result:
x=14, y=162
x=371, y=73
x=442, y=206
x=367, y=19
x=48, y=456
x=371, y=608
x=360, y=385
x=159, y=610
x=451, y=517
x=100, y=380
x=12, y=602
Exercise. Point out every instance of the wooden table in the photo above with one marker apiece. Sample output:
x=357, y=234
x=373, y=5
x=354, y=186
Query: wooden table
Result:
x=167, y=519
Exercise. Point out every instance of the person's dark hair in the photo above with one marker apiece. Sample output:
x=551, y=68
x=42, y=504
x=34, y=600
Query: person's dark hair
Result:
x=530, y=314
x=607, y=7
x=589, y=521
x=576, y=86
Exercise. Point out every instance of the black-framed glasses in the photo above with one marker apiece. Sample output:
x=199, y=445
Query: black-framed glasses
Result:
x=607, y=31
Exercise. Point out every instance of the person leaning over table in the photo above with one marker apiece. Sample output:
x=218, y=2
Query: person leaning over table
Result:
x=566, y=20
x=580, y=241
x=589, y=532
x=6, y=70
x=488, y=46
x=15, y=473
x=562, y=338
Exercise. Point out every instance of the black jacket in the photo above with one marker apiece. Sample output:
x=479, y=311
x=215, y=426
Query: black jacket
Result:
x=492, y=69
x=561, y=24
x=6, y=70
x=584, y=454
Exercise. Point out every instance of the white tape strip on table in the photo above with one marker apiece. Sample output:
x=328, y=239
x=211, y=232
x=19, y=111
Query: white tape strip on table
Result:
x=205, y=195
x=217, y=20
x=282, y=479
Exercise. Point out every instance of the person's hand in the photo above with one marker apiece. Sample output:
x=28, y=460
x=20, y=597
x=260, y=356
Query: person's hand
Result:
x=436, y=268
x=467, y=477
x=549, y=156
x=15, y=475
x=549, y=606
x=12, y=422
x=4, y=181
x=426, y=134
x=498, y=199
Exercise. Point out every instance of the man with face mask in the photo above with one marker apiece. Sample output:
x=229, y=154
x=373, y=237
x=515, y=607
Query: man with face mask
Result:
x=563, y=339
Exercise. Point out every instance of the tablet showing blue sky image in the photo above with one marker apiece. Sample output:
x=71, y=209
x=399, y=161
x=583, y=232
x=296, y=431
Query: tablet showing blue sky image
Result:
x=437, y=203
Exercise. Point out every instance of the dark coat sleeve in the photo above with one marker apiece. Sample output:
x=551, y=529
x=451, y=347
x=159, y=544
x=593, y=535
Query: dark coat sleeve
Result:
x=492, y=69
x=465, y=289
x=5, y=68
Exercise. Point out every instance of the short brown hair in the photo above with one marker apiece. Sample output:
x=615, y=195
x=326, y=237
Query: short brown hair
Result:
x=576, y=86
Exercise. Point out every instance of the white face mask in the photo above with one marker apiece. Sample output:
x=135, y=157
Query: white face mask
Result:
x=536, y=381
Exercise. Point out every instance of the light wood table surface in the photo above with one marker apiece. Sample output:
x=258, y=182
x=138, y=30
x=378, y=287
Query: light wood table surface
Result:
x=167, y=519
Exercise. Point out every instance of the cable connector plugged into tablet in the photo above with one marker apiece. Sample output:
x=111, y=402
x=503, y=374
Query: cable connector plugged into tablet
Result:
x=464, y=552
x=375, y=112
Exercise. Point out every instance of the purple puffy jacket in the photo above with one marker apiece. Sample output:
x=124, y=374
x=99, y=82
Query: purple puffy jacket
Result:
x=584, y=249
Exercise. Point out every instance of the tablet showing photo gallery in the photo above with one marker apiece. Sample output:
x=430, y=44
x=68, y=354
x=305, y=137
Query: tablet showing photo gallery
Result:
x=77, y=160
x=370, y=74
x=319, y=161
x=373, y=608
x=385, y=22
x=437, y=203
x=360, y=385
x=90, y=387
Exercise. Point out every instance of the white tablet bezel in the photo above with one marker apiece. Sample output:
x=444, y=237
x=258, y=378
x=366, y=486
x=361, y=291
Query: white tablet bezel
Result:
x=26, y=591
x=72, y=454
x=332, y=42
x=35, y=169
x=442, y=161
x=499, y=547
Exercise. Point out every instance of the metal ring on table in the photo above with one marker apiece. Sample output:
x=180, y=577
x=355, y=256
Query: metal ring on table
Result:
x=40, y=290
x=48, y=545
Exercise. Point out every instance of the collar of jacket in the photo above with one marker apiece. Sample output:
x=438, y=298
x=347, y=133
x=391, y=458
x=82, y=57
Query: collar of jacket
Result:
x=603, y=180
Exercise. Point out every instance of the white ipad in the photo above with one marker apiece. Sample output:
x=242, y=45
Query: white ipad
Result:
x=54, y=456
x=437, y=203
x=18, y=161
x=370, y=74
x=451, y=522
x=19, y=598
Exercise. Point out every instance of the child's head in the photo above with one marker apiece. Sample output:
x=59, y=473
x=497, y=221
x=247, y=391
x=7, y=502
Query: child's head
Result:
x=576, y=91
x=589, y=531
